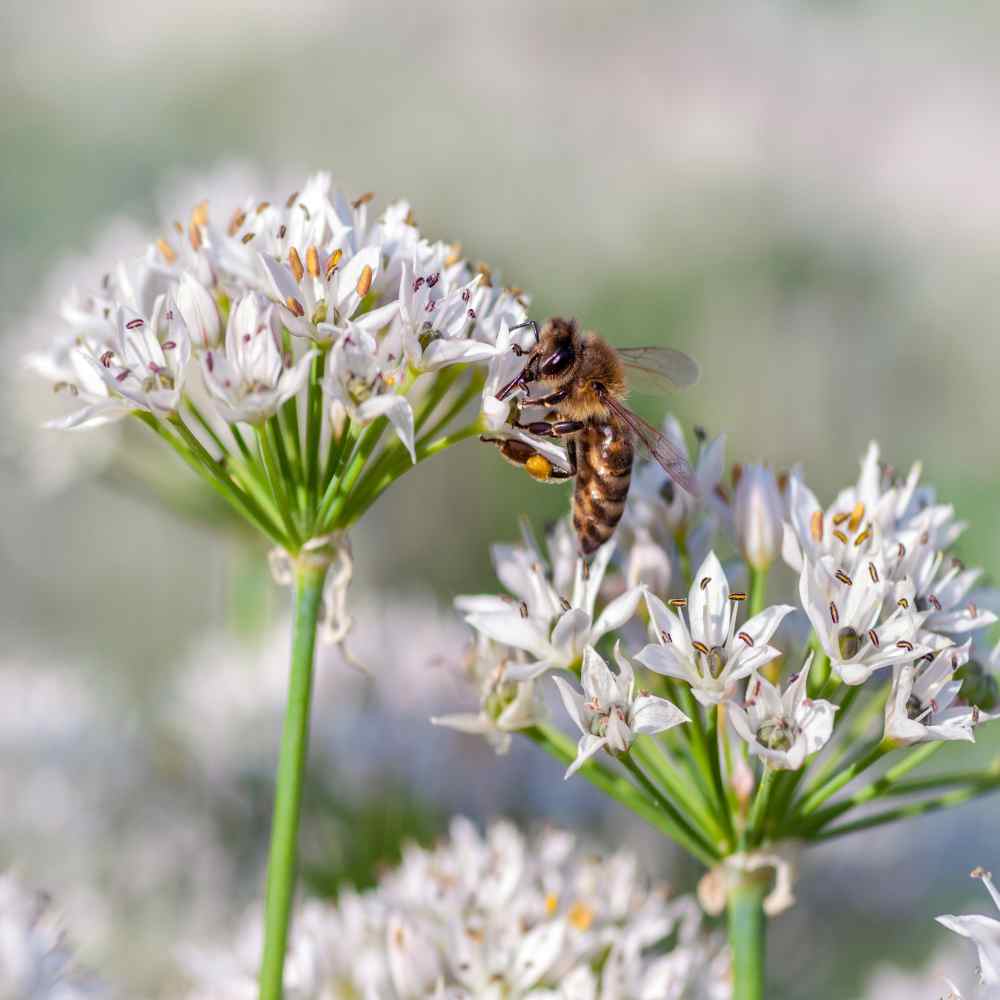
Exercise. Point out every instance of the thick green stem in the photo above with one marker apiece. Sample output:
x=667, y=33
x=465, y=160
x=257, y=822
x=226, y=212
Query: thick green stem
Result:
x=281, y=870
x=758, y=811
x=745, y=923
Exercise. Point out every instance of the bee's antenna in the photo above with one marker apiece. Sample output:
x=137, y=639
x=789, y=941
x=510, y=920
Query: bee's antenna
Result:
x=518, y=350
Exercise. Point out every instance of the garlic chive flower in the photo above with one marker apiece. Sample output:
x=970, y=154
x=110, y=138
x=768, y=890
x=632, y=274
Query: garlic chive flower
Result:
x=983, y=932
x=700, y=642
x=783, y=728
x=758, y=515
x=610, y=714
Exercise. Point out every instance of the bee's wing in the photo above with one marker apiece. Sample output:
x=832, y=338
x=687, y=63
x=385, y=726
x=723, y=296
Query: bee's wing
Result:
x=653, y=369
x=657, y=444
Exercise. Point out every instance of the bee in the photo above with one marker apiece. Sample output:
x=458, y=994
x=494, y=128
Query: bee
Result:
x=585, y=382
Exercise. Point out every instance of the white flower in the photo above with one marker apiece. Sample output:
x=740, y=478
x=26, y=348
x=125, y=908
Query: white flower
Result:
x=35, y=962
x=707, y=651
x=921, y=704
x=504, y=707
x=147, y=359
x=848, y=615
x=611, y=715
x=364, y=381
x=758, y=515
x=550, y=628
x=783, y=729
x=251, y=379
x=984, y=932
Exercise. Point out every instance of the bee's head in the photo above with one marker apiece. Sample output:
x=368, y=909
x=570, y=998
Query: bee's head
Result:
x=552, y=359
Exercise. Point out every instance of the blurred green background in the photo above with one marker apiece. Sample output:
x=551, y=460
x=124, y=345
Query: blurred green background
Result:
x=802, y=195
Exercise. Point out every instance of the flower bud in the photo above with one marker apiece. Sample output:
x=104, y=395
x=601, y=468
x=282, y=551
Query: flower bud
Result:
x=199, y=312
x=758, y=516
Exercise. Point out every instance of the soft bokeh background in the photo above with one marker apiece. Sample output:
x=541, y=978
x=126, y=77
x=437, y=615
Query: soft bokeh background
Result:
x=802, y=195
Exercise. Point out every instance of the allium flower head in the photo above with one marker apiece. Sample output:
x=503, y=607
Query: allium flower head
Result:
x=701, y=642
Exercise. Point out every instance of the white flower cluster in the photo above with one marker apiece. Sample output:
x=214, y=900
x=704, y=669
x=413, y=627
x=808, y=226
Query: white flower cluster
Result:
x=206, y=315
x=35, y=961
x=875, y=583
x=491, y=916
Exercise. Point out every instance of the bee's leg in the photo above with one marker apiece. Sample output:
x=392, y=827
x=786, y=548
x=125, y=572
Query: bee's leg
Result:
x=536, y=464
x=542, y=428
x=524, y=402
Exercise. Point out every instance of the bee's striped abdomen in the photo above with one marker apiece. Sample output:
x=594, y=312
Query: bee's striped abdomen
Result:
x=604, y=469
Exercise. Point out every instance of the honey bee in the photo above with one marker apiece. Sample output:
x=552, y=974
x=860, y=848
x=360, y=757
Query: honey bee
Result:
x=585, y=382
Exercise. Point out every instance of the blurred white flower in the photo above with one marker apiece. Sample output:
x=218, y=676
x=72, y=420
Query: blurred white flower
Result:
x=984, y=932
x=706, y=650
x=610, y=714
x=783, y=728
x=481, y=917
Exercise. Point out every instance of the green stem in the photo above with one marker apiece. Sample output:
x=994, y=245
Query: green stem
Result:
x=818, y=795
x=745, y=923
x=703, y=756
x=339, y=490
x=911, y=809
x=758, y=591
x=619, y=788
x=291, y=771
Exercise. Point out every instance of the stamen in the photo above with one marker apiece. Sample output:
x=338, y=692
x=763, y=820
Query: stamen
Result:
x=700, y=646
x=167, y=250
x=282, y=230
x=746, y=637
x=839, y=519
x=903, y=602
x=873, y=572
x=903, y=644
x=199, y=214
x=816, y=526
x=455, y=256
x=263, y=207
x=834, y=613
x=236, y=222
x=365, y=281
x=247, y=237
x=291, y=199
x=487, y=275
x=736, y=475
x=210, y=361
x=738, y=596
x=332, y=262
x=844, y=578
x=857, y=516
x=363, y=200
x=838, y=534
x=931, y=599
x=665, y=637
x=168, y=345
x=295, y=263
x=705, y=581
x=122, y=375
x=106, y=358
x=863, y=537
x=295, y=306
x=312, y=262
x=873, y=636
x=194, y=237
x=678, y=602
x=524, y=609
x=134, y=324
x=433, y=279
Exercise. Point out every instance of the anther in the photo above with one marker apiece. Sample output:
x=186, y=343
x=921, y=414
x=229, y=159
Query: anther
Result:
x=331, y=264
x=838, y=534
x=738, y=596
x=665, y=636
x=524, y=609
x=839, y=519
x=263, y=207
x=236, y=222
x=857, y=516
x=873, y=636
x=678, y=602
x=455, y=256
x=295, y=306
x=122, y=375
x=363, y=200
x=844, y=578
x=873, y=572
x=168, y=345
x=282, y=230
x=903, y=644
x=291, y=199
x=194, y=237
x=700, y=646
x=433, y=279
x=834, y=613
x=365, y=281
x=199, y=214
x=863, y=537
x=106, y=358
x=312, y=262
x=746, y=637
x=167, y=250
x=931, y=599
x=816, y=526
x=295, y=263
x=134, y=324
x=903, y=603
x=705, y=581
x=247, y=237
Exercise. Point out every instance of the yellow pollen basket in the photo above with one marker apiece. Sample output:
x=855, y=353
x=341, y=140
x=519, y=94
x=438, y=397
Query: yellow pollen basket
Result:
x=538, y=467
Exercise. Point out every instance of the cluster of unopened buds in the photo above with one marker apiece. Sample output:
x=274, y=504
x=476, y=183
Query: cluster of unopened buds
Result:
x=742, y=734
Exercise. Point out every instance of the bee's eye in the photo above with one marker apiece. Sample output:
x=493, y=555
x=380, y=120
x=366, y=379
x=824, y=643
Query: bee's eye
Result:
x=557, y=362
